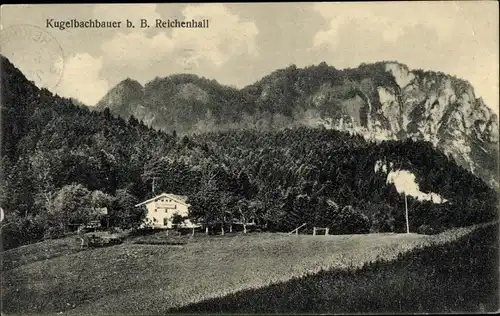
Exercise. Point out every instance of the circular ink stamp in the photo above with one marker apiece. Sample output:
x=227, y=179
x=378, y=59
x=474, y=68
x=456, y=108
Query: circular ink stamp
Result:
x=35, y=52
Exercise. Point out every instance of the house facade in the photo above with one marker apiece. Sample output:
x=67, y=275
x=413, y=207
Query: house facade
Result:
x=161, y=209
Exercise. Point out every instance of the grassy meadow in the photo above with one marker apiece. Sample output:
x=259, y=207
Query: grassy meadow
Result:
x=458, y=277
x=245, y=273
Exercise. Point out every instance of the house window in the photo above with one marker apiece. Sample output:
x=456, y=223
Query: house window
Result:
x=165, y=222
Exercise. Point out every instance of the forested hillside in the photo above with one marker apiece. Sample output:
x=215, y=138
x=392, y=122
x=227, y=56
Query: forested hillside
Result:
x=322, y=177
x=381, y=101
x=61, y=162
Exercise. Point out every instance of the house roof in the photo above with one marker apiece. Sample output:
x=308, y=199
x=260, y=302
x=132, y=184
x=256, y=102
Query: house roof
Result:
x=177, y=198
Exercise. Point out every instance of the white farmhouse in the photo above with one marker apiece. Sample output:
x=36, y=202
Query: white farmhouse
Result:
x=161, y=209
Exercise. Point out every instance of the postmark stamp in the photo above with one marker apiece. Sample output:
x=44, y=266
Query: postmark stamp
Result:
x=35, y=52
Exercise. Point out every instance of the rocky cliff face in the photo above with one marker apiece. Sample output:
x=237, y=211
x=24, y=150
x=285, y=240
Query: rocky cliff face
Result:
x=384, y=100
x=445, y=111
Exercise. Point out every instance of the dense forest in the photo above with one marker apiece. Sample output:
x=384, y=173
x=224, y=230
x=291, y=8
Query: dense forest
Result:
x=61, y=163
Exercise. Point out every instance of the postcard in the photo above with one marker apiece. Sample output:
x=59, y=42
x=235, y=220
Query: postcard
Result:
x=249, y=158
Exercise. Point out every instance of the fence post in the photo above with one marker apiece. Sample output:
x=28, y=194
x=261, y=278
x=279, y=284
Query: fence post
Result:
x=296, y=230
x=314, y=231
x=326, y=232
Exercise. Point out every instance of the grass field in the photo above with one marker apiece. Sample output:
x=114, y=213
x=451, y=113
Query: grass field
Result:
x=459, y=277
x=53, y=276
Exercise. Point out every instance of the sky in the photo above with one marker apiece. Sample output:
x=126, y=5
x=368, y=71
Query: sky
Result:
x=246, y=41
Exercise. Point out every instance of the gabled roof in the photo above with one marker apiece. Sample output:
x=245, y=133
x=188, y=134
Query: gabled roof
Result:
x=177, y=198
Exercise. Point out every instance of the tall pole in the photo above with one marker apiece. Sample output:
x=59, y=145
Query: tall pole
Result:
x=407, y=222
x=153, y=185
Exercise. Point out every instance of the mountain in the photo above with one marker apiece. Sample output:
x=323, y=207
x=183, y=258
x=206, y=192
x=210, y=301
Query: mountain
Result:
x=121, y=97
x=384, y=100
x=184, y=103
x=60, y=161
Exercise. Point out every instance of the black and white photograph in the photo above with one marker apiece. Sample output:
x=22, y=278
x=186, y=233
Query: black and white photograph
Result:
x=249, y=158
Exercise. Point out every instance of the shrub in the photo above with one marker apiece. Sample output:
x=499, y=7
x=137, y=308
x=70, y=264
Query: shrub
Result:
x=382, y=219
x=143, y=231
x=426, y=229
x=350, y=221
x=53, y=232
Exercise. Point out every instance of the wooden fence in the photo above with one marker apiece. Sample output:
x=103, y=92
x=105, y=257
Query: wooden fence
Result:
x=325, y=229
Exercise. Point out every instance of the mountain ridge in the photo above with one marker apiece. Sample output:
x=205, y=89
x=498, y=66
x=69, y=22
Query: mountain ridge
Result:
x=382, y=100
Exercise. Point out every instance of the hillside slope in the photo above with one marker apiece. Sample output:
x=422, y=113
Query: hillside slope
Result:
x=457, y=277
x=49, y=143
x=138, y=279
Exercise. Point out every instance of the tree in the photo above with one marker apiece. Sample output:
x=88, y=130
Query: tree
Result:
x=226, y=209
x=102, y=201
x=72, y=205
x=350, y=221
x=17, y=230
x=124, y=213
x=205, y=203
x=247, y=211
x=326, y=214
x=203, y=207
x=382, y=217
x=177, y=219
x=107, y=114
x=42, y=168
x=132, y=121
x=269, y=207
